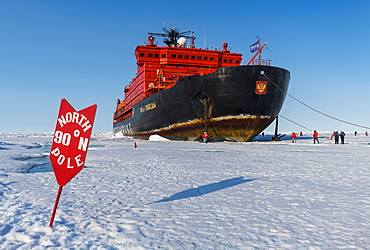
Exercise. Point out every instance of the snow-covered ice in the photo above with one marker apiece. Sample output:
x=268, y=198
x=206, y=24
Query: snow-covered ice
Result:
x=189, y=195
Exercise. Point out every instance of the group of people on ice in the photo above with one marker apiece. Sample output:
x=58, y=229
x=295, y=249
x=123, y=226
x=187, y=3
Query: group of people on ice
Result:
x=336, y=135
x=293, y=136
x=366, y=133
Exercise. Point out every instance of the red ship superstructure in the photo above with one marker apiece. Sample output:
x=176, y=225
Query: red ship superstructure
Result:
x=159, y=68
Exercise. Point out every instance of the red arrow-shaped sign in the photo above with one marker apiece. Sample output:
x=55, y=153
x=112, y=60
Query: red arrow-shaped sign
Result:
x=71, y=140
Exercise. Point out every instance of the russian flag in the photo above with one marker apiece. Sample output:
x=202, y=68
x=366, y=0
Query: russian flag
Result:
x=255, y=46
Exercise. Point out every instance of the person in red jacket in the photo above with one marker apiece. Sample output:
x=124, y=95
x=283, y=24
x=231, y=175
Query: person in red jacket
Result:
x=293, y=136
x=315, y=137
x=205, y=137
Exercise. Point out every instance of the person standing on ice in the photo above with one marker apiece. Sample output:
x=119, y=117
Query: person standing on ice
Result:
x=336, y=137
x=342, y=134
x=205, y=137
x=293, y=136
x=315, y=137
x=332, y=135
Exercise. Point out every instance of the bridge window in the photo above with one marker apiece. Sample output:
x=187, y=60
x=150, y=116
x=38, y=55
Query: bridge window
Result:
x=141, y=54
x=205, y=58
x=237, y=61
x=186, y=57
x=163, y=55
x=199, y=57
x=180, y=56
x=230, y=61
x=150, y=55
x=212, y=58
x=173, y=56
x=156, y=55
x=192, y=57
x=225, y=60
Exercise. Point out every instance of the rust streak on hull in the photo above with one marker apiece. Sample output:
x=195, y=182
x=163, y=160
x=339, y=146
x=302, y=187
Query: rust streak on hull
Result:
x=239, y=128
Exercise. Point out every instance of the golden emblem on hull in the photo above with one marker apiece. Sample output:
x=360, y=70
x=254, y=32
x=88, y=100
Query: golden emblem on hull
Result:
x=261, y=87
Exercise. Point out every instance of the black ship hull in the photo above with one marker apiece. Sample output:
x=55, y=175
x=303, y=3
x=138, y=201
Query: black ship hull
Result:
x=224, y=103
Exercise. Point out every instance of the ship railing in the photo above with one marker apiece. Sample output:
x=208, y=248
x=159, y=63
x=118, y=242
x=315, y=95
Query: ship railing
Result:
x=127, y=88
x=122, y=114
x=158, y=86
x=263, y=62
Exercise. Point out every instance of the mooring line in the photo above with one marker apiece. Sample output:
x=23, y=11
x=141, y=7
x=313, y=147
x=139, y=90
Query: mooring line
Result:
x=303, y=126
x=332, y=117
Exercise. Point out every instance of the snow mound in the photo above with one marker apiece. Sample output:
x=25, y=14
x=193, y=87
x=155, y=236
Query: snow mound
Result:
x=157, y=138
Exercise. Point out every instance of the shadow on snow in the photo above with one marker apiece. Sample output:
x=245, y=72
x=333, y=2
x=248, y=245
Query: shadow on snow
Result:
x=202, y=190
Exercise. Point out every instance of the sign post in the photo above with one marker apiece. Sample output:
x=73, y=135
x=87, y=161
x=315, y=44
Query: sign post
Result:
x=70, y=143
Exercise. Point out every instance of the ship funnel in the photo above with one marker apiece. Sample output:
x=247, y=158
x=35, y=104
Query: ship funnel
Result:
x=181, y=41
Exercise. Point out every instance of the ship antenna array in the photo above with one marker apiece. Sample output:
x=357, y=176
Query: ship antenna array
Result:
x=170, y=36
x=322, y=113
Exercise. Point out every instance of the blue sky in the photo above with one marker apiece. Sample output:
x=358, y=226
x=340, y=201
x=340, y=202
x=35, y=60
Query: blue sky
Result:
x=83, y=51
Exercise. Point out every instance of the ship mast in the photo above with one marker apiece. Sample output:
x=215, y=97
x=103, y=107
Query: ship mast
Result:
x=257, y=53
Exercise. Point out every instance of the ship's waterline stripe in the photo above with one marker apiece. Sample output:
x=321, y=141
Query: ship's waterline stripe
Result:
x=195, y=121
